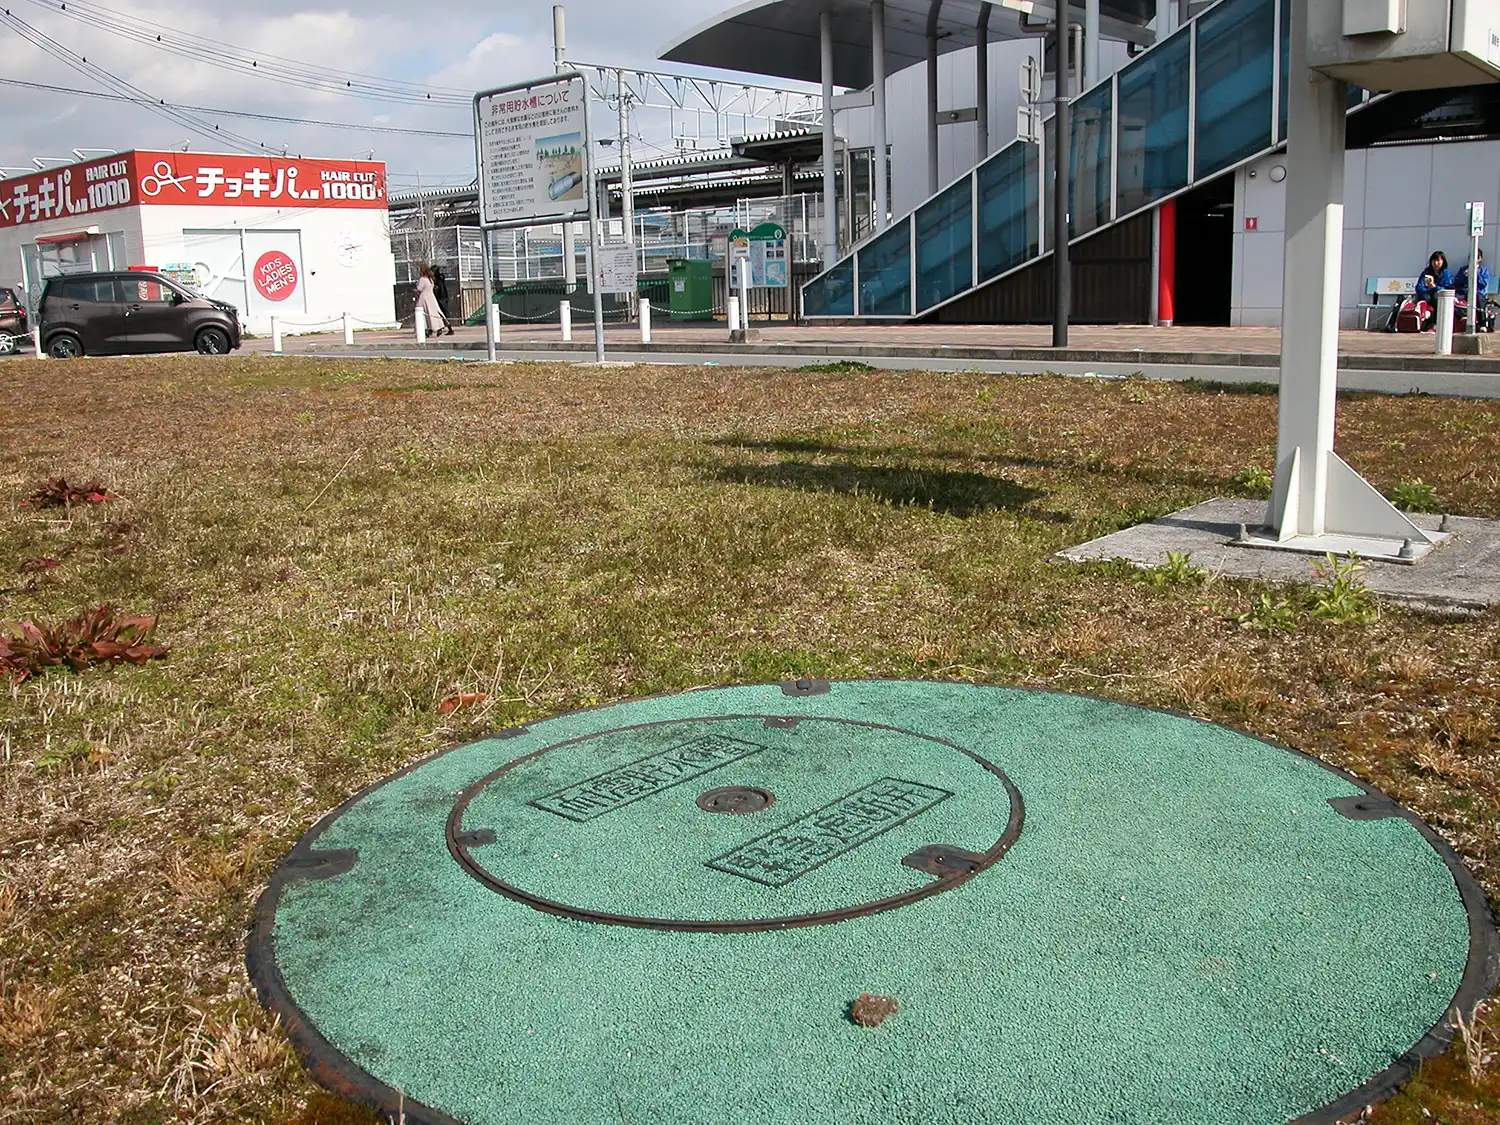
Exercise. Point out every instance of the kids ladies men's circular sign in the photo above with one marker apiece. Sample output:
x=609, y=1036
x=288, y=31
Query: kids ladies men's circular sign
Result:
x=275, y=275
x=1066, y=909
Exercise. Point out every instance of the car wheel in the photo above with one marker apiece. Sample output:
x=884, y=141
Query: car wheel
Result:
x=65, y=347
x=8, y=344
x=213, y=341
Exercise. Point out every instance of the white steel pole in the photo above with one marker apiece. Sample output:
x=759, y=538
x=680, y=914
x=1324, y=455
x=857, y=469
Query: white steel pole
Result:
x=276, y=335
x=348, y=331
x=559, y=57
x=1315, y=492
x=877, y=64
x=419, y=325
x=627, y=189
x=830, y=196
x=645, y=320
x=1444, y=341
x=1472, y=327
x=565, y=317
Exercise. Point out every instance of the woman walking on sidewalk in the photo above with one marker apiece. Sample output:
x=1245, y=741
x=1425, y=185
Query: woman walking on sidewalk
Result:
x=428, y=303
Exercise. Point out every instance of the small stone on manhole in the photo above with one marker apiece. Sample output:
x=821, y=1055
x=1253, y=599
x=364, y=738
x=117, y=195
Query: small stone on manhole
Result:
x=872, y=1009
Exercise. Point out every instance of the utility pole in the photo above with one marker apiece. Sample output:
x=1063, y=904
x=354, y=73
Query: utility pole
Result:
x=627, y=190
x=559, y=53
x=1062, y=267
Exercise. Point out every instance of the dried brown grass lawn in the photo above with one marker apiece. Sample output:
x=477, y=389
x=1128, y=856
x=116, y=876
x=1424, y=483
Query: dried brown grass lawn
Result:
x=334, y=547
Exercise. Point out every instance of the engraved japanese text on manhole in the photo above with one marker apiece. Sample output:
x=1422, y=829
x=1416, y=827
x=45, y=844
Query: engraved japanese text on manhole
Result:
x=619, y=787
x=788, y=853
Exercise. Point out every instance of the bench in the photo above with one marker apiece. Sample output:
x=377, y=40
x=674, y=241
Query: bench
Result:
x=1377, y=287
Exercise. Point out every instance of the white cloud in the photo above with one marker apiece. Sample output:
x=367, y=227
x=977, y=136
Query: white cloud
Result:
x=465, y=48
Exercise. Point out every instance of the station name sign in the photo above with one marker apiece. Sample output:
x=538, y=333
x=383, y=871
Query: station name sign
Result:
x=180, y=179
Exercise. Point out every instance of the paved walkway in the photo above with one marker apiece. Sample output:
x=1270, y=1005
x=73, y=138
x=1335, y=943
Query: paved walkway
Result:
x=1111, y=338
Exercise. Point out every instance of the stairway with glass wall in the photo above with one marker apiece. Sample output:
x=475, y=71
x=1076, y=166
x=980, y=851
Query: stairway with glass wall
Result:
x=1194, y=107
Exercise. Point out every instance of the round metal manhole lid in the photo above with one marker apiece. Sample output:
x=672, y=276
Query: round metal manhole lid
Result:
x=609, y=827
x=1192, y=924
x=736, y=800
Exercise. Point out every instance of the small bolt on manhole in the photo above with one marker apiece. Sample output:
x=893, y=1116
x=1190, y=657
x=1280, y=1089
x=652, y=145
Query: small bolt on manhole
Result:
x=736, y=800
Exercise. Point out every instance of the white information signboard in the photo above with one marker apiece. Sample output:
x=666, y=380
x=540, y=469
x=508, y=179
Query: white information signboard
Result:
x=533, y=152
x=614, y=269
x=1476, y=218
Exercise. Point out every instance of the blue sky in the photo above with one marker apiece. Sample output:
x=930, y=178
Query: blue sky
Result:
x=431, y=44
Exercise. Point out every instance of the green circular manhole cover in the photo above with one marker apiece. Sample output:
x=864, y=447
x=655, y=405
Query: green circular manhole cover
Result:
x=662, y=913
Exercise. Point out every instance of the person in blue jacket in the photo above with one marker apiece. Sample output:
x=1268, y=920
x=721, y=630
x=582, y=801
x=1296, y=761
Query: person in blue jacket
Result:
x=1482, y=282
x=1436, y=276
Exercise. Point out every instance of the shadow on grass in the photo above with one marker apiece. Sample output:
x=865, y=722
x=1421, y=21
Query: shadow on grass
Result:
x=950, y=493
x=1145, y=474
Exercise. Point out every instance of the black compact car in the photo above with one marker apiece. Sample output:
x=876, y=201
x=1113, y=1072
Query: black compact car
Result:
x=14, y=326
x=124, y=313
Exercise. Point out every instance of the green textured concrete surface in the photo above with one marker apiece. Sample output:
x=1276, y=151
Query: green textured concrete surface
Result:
x=1185, y=931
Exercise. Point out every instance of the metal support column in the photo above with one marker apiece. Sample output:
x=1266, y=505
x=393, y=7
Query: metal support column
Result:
x=627, y=189
x=982, y=83
x=559, y=55
x=934, y=11
x=1318, y=499
x=1061, y=143
x=830, y=196
x=1091, y=74
x=881, y=170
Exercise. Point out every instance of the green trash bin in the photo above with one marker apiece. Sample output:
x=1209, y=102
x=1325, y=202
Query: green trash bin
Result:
x=691, y=284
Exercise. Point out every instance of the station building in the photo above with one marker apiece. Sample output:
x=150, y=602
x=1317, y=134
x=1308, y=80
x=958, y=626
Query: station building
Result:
x=305, y=241
x=938, y=169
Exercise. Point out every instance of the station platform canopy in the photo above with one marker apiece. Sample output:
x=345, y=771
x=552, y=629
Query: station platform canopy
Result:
x=780, y=38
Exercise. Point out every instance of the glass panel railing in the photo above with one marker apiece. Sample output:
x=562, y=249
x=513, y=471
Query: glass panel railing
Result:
x=945, y=245
x=1008, y=212
x=1088, y=167
x=831, y=294
x=1236, y=43
x=1153, y=156
x=885, y=273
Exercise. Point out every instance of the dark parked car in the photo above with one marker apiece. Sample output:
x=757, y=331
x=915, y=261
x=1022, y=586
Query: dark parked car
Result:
x=14, y=327
x=123, y=313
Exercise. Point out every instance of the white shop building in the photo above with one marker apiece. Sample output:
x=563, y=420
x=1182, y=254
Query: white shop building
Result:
x=305, y=241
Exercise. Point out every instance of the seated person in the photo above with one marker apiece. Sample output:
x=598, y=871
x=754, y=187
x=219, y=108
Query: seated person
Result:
x=1486, y=320
x=1436, y=276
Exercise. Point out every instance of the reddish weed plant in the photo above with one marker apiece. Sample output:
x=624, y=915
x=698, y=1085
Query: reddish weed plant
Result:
x=96, y=636
x=56, y=492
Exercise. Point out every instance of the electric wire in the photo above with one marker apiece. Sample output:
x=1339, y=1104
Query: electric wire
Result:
x=284, y=70
x=280, y=118
x=106, y=78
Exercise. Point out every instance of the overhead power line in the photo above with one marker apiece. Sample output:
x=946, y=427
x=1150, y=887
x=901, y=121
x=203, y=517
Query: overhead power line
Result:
x=274, y=67
x=146, y=103
x=113, y=81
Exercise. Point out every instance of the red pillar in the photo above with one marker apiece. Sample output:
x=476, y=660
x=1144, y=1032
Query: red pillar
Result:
x=1166, y=273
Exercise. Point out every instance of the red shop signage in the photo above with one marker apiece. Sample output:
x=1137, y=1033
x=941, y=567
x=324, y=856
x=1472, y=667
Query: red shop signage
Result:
x=275, y=275
x=184, y=179
x=62, y=193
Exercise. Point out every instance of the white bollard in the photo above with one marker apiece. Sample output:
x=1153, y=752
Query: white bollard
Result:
x=565, y=316
x=348, y=331
x=495, y=321
x=420, y=320
x=645, y=320
x=36, y=340
x=276, y=335
x=1445, y=322
x=732, y=307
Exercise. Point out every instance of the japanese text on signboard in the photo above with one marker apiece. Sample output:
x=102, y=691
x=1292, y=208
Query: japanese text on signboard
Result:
x=531, y=152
